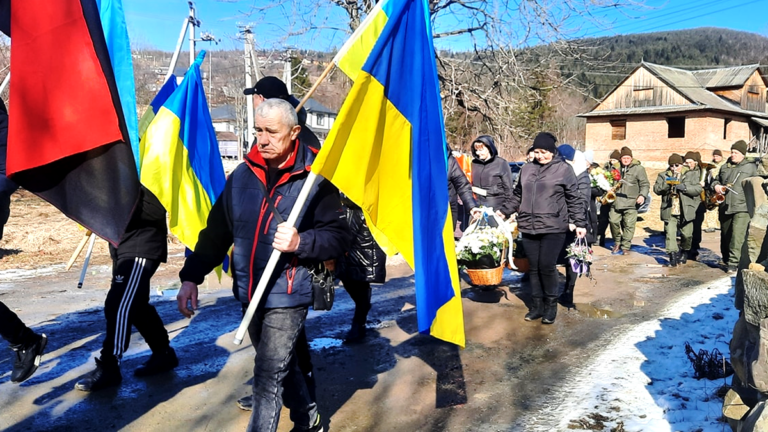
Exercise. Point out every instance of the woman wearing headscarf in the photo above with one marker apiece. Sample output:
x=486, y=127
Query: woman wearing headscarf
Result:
x=548, y=204
x=491, y=176
x=578, y=162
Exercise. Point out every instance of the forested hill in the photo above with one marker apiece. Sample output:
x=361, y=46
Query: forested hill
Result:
x=700, y=48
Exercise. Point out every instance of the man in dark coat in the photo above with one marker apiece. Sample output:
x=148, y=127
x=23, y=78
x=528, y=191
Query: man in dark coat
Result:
x=142, y=248
x=491, y=176
x=241, y=216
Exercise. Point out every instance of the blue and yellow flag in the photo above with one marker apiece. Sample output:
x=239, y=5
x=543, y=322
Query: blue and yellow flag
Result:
x=387, y=153
x=165, y=92
x=181, y=163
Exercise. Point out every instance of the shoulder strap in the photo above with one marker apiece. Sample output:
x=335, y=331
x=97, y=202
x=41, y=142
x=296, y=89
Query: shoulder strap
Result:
x=270, y=204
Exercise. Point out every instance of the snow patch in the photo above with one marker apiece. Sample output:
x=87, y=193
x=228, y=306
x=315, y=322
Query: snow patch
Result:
x=324, y=343
x=642, y=377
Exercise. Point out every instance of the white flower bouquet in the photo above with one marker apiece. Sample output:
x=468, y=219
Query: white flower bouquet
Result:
x=482, y=248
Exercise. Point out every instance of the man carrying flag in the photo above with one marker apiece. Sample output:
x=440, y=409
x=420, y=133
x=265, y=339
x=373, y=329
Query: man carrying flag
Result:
x=257, y=196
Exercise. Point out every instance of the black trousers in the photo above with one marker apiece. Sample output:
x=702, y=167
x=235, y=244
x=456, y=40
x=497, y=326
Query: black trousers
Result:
x=12, y=329
x=128, y=305
x=697, y=223
x=602, y=223
x=360, y=291
x=542, y=251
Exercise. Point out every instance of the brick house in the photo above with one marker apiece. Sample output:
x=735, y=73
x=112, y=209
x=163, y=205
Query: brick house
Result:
x=658, y=110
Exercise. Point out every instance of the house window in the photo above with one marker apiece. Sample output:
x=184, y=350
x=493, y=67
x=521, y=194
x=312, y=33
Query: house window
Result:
x=753, y=89
x=618, y=130
x=725, y=128
x=320, y=120
x=676, y=127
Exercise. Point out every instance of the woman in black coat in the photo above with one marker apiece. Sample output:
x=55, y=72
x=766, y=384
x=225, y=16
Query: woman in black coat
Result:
x=362, y=264
x=548, y=204
x=491, y=176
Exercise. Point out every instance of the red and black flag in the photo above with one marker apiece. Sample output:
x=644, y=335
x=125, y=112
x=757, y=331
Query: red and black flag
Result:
x=67, y=138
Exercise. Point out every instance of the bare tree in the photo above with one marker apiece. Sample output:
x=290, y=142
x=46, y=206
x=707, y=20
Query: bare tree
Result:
x=505, y=78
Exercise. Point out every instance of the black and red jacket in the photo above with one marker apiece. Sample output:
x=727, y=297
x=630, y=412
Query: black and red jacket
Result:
x=241, y=216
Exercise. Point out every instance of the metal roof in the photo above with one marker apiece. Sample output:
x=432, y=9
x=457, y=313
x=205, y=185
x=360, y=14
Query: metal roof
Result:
x=223, y=113
x=735, y=76
x=688, y=85
x=761, y=122
x=314, y=106
x=644, y=110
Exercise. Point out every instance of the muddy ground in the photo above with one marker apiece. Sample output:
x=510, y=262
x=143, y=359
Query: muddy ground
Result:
x=397, y=380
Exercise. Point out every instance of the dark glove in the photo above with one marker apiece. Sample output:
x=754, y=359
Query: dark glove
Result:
x=682, y=187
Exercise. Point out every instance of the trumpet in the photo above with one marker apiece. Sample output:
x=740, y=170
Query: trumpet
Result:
x=714, y=200
x=610, y=196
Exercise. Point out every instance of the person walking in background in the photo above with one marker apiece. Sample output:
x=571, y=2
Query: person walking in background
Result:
x=363, y=263
x=733, y=215
x=580, y=166
x=711, y=222
x=548, y=205
x=605, y=209
x=630, y=194
x=491, y=176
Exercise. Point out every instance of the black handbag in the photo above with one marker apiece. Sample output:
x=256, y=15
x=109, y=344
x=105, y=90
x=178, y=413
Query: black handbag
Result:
x=323, y=289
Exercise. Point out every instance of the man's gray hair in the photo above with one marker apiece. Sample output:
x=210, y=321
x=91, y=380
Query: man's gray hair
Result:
x=285, y=110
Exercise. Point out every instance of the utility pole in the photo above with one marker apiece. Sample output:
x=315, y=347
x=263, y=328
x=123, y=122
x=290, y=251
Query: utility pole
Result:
x=245, y=30
x=208, y=37
x=287, y=75
x=192, y=23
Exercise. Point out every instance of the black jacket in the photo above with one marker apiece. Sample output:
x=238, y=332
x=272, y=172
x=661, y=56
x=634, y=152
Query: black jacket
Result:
x=364, y=261
x=547, y=198
x=458, y=185
x=241, y=216
x=7, y=186
x=493, y=176
x=146, y=235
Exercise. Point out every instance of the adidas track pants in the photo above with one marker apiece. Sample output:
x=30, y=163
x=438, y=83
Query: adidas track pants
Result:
x=128, y=305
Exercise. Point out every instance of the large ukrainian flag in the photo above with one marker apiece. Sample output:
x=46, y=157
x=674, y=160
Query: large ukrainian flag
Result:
x=181, y=163
x=160, y=98
x=387, y=153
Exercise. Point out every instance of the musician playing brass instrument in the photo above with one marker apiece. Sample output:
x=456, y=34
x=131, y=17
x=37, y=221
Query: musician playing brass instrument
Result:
x=713, y=200
x=734, y=218
x=680, y=191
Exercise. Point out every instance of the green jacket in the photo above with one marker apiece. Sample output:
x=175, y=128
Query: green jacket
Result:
x=690, y=198
x=635, y=184
x=732, y=174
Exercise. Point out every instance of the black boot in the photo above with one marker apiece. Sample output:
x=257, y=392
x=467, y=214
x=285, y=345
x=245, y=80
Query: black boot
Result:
x=550, y=310
x=158, y=363
x=107, y=374
x=682, y=257
x=673, y=259
x=566, y=298
x=535, y=312
x=356, y=333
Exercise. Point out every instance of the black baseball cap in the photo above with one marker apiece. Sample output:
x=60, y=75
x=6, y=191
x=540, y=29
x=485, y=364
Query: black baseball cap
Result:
x=269, y=87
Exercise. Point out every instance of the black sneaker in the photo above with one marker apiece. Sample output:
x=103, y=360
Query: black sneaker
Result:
x=28, y=359
x=245, y=403
x=318, y=427
x=105, y=375
x=158, y=363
